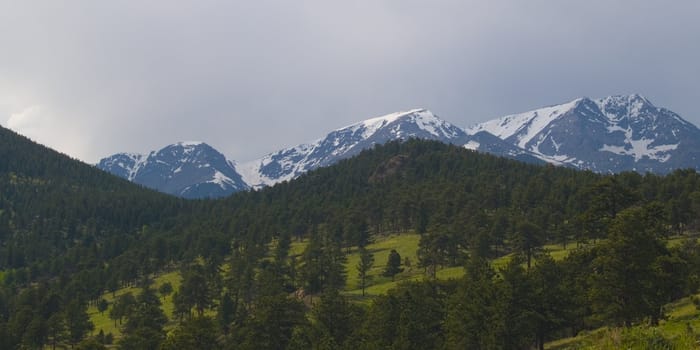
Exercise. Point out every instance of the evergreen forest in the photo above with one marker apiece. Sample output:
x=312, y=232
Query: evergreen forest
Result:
x=271, y=268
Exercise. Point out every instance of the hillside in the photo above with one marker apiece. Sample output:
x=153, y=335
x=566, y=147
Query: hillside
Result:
x=52, y=206
x=238, y=270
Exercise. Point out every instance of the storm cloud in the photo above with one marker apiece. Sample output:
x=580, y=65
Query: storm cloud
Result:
x=92, y=78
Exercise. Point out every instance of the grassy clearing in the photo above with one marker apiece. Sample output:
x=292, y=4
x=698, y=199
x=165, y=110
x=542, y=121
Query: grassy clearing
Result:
x=682, y=316
x=406, y=245
x=104, y=323
x=682, y=313
x=296, y=248
x=676, y=241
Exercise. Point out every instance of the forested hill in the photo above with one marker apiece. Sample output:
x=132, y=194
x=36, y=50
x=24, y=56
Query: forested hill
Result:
x=412, y=186
x=23, y=157
x=53, y=207
x=69, y=232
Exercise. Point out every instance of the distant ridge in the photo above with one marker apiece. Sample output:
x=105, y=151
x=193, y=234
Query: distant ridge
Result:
x=606, y=135
x=185, y=169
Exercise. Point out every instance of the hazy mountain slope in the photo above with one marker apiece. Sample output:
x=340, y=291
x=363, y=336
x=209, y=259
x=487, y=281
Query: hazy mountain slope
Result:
x=612, y=134
x=186, y=169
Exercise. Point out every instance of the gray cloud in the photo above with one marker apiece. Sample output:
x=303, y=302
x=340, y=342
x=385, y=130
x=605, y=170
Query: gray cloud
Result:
x=95, y=78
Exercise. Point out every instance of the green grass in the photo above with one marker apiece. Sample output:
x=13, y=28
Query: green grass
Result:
x=296, y=248
x=406, y=245
x=558, y=252
x=676, y=241
x=104, y=323
x=681, y=314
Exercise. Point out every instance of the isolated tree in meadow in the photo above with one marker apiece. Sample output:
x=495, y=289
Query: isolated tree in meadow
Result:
x=102, y=306
x=393, y=264
x=363, y=266
x=165, y=289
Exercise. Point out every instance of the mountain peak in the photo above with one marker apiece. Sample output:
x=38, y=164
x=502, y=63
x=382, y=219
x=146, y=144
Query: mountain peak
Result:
x=619, y=107
x=189, y=169
x=421, y=119
x=347, y=142
x=188, y=144
x=389, y=118
x=609, y=134
x=625, y=100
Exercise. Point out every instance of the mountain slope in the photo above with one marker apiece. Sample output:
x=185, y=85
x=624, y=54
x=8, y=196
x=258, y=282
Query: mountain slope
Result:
x=612, y=134
x=186, y=169
x=195, y=170
x=346, y=142
x=51, y=204
x=485, y=142
x=608, y=135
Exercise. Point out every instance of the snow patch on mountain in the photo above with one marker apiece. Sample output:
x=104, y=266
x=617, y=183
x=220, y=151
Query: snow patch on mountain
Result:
x=472, y=145
x=525, y=125
x=610, y=134
x=190, y=169
x=346, y=142
x=642, y=148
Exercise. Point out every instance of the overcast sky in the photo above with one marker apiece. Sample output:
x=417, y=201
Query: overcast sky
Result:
x=93, y=78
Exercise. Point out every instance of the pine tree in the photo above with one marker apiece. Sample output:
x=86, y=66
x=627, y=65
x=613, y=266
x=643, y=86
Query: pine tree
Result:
x=144, y=326
x=393, y=264
x=77, y=322
x=476, y=311
x=363, y=266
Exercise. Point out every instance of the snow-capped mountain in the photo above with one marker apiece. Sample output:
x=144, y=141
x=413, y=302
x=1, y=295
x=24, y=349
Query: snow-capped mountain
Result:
x=186, y=169
x=351, y=140
x=346, y=142
x=611, y=134
x=485, y=142
x=196, y=170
